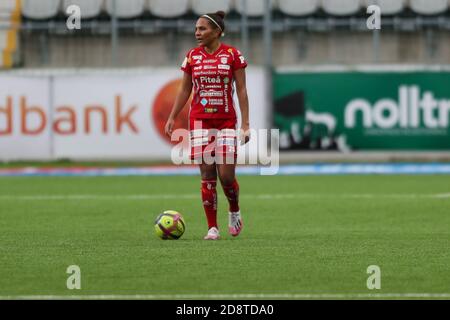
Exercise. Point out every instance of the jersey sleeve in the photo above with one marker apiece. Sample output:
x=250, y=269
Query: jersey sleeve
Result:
x=239, y=60
x=186, y=65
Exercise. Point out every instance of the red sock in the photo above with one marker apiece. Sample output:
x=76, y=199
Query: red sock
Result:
x=232, y=193
x=209, y=197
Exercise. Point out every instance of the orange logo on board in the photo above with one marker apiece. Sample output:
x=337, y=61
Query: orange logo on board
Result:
x=163, y=106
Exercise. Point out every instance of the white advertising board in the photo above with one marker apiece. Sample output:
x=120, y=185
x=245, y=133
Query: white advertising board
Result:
x=108, y=115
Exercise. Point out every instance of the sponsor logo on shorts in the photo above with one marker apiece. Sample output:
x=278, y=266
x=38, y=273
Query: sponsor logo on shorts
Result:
x=226, y=147
x=226, y=142
x=227, y=133
x=198, y=133
x=200, y=141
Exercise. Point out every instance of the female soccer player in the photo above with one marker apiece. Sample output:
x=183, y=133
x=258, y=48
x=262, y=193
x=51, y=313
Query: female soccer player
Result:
x=211, y=69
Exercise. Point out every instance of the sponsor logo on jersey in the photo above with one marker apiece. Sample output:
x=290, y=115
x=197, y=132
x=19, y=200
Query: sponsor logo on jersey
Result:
x=204, y=102
x=211, y=86
x=224, y=67
x=210, y=61
x=224, y=60
x=223, y=55
x=205, y=73
x=226, y=80
x=198, y=68
x=206, y=67
x=197, y=57
x=198, y=62
x=210, y=80
x=210, y=110
x=199, y=141
x=224, y=73
x=215, y=102
x=211, y=93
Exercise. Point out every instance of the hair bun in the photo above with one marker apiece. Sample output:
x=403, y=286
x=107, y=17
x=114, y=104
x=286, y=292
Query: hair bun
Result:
x=221, y=14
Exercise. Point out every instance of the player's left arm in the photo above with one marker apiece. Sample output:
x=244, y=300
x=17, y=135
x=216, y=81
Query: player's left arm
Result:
x=241, y=91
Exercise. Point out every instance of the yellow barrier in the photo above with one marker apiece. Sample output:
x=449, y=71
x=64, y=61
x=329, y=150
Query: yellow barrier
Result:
x=7, y=60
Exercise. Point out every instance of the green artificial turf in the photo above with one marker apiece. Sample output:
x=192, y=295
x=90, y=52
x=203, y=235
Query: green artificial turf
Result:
x=302, y=235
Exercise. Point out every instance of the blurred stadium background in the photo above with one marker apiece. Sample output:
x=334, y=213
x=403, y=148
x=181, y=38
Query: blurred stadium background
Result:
x=313, y=57
x=337, y=91
x=158, y=33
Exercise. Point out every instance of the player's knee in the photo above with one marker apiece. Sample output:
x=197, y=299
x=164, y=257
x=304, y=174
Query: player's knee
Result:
x=226, y=180
x=209, y=176
x=208, y=173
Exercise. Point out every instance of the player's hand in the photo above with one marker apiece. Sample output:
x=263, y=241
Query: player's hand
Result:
x=244, y=135
x=168, y=129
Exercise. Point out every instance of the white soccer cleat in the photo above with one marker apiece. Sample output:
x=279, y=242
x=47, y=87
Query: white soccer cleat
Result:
x=213, y=234
x=235, y=223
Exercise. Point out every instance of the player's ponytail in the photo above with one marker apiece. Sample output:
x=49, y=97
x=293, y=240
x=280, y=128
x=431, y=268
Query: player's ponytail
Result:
x=216, y=20
x=221, y=14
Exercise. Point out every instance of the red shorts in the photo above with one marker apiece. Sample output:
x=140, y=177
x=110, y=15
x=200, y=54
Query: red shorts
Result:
x=213, y=140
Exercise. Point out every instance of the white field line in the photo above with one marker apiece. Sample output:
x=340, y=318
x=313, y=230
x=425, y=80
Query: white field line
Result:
x=110, y=197
x=231, y=296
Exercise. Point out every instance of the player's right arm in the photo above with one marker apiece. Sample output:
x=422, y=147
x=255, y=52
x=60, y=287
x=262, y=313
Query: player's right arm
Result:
x=180, y=101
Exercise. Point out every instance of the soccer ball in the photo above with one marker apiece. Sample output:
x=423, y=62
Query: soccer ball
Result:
x=169, y=225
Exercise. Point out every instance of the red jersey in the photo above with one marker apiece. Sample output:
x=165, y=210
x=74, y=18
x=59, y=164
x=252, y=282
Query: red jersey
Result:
x=213, y=82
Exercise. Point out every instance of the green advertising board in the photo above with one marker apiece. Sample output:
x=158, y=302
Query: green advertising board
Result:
x=362, y=110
